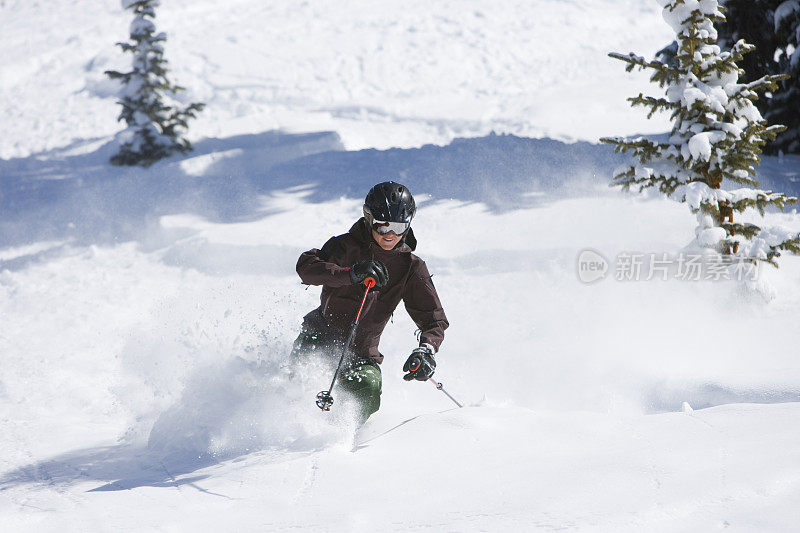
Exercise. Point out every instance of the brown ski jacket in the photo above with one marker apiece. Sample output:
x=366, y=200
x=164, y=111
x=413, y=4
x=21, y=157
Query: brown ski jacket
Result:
x=409, y=281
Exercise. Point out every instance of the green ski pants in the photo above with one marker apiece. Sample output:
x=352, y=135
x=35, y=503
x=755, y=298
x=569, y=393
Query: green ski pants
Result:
x=360, y=376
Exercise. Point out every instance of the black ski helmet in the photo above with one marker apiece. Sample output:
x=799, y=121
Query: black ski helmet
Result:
x=389, y=202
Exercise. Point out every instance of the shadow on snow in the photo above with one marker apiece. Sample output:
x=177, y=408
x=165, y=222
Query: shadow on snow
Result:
x=123, y=467
x=73, y=193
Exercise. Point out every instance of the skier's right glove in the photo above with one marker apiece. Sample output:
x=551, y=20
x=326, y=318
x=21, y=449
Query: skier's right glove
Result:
x=369, y=268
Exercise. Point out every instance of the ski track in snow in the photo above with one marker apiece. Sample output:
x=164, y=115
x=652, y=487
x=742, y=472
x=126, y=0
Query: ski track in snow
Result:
x=146, y=315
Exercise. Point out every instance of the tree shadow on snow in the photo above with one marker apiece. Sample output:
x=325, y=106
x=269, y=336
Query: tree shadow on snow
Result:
x=74, y=194
x=122, y=467
x=126, y=467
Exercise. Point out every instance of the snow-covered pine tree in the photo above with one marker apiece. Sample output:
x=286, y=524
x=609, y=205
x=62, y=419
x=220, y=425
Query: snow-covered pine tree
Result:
x=154, y=127
x=717, y=136
x=751, y=20
x=785, y=105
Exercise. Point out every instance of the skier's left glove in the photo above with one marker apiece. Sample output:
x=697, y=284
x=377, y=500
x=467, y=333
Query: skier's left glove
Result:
x=420, y=365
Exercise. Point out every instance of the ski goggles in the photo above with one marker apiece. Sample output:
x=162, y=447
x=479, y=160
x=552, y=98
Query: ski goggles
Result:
x=382, y=227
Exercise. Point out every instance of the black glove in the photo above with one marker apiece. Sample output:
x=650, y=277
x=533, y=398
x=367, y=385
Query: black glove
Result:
x=369, y=268
x=420, y=365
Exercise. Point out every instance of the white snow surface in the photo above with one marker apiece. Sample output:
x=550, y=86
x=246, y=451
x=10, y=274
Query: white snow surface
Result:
x=147, y=314
x=393, y=73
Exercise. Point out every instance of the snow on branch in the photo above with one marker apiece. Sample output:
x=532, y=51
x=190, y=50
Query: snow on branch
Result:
x=698, y=194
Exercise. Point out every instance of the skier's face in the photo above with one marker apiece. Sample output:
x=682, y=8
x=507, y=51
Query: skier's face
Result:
x=386, y=241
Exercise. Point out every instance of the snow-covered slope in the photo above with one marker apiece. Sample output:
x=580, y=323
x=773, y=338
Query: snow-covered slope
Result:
x=146, y=314
x=381, y=74
x=476, y=469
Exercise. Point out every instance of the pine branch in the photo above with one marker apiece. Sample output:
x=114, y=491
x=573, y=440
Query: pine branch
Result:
x=792, y=245
x=664, y=73
x=655, y=104
x=766, y=83
x=739, y=179
x=763, y=200
x=644, y=149
x=748, y=231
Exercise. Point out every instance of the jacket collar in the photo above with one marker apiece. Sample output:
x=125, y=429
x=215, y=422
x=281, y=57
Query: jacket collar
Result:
x=363, y=234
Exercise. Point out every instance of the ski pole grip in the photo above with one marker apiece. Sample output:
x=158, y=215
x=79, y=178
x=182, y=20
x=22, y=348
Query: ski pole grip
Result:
x=369, y=282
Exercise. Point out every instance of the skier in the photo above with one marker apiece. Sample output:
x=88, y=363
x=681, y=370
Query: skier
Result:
x=379, y=246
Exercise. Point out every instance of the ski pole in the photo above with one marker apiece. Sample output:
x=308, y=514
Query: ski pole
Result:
x=438, y=385
x=324, y=398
